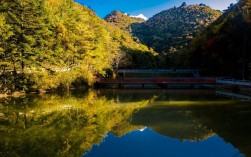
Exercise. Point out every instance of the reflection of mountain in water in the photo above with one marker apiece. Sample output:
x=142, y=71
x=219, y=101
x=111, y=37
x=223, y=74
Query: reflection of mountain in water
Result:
x=70, y=125
x=174, y=122
x=194, y=115
x=197, y=120
x=232, y=123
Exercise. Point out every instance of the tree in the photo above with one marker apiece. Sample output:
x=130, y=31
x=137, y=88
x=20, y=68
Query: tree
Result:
x=29, y=33
x=5, y=57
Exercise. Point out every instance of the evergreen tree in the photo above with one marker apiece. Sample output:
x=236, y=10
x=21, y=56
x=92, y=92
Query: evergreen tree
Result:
x=30, y=36
x=5, y=57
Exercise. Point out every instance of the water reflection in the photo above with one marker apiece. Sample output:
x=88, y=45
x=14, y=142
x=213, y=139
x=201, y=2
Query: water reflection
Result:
x=149, y=144
x=100, y=121
x=54, y=125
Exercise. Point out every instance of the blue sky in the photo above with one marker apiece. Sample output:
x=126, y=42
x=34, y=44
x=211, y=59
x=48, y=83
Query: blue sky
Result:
x=146, y=7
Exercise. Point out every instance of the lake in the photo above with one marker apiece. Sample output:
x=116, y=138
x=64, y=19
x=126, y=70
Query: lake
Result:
x=126, y=123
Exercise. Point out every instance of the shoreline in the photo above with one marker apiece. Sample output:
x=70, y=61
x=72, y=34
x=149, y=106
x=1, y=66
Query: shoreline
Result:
x=16, y=94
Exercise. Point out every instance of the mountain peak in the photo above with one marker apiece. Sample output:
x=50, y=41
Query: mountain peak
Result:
x=115, y=12
x=183, y=4
x=123, y=20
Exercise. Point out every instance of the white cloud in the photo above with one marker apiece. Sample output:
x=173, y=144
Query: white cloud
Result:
x=140, y=16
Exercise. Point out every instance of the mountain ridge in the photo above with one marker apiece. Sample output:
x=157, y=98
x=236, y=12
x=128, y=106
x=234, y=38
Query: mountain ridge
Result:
x=172, y=29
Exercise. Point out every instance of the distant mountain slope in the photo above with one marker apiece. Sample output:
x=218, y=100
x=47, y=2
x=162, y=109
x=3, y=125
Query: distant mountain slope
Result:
x=122, y=20
x=172, y=29
x=224, y=47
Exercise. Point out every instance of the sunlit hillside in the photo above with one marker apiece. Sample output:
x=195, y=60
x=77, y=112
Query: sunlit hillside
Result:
x=46, y=44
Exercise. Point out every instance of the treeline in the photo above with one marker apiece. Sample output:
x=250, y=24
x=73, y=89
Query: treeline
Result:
x=50, y=44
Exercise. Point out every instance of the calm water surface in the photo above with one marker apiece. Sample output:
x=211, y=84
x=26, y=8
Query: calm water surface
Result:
x=126, y=123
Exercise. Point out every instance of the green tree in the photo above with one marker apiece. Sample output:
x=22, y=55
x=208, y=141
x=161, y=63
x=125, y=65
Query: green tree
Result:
x=29, y=39
x=5, y=56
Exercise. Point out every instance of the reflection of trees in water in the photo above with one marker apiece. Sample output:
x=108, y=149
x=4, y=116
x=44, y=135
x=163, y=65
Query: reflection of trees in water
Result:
x=53, y=125
x=232, y=123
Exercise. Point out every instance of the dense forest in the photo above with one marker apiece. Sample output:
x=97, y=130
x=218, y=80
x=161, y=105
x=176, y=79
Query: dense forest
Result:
x=223, y=48
x=49, y=44
x=172, y=29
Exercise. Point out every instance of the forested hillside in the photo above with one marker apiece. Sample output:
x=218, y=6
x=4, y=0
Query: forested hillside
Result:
x=224, y=47
x=122, y=20
x=47, y=44
x=172, y=29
